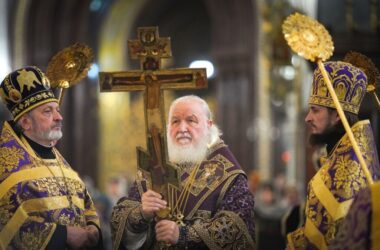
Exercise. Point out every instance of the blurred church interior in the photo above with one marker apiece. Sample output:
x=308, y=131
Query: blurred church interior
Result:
x=258, y=90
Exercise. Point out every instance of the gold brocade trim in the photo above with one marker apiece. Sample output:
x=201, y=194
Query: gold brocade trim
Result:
x=220, y=158
x=192, y=236
x=47, y=240
x=336, y=209
x=226, y=231
x=218, y=144
x=50, y=203
x=135, y=217
x=297, y=239
x=33, y=174
x=290, y=241
x=202, y=214
x=375, y=196
x=122, y=221
x=328, y=102
x=204, y=197
x=8, y=129
x=79, y=202
x=357, y=127
x=90, y=212
x=21, y=141
x=208, y=176
x=17, y=109
x=314, y=235
x=33, y=205
x=224, y=190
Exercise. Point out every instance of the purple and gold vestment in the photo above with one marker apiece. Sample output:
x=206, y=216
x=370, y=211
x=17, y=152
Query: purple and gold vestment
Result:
x=37, y=195
x=360, y=229
x=332, y=189
x=218, y=213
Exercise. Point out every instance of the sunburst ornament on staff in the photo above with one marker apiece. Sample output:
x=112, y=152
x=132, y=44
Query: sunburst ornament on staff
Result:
x=69, y=66
x=309, y=39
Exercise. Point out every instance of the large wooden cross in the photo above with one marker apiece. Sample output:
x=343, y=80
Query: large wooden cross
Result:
x=151, y=79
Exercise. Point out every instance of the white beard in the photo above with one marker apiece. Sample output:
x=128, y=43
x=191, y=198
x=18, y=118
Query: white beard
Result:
x=54, y=135
x=180, y=154
x=51, y=134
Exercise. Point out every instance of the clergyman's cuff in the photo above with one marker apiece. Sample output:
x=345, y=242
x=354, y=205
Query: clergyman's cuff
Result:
x=136, y=222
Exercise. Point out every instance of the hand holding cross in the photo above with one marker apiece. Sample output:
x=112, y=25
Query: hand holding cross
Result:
x=151, y=79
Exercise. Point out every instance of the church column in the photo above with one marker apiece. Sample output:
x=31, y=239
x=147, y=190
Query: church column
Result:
x=234, y=51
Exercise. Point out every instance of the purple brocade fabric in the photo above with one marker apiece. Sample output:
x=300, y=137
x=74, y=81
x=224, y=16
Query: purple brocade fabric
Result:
x=34, y=196
x=218, y=213
x=239, y=200
x=354, y=231
x=133, y=194
x=335, y=185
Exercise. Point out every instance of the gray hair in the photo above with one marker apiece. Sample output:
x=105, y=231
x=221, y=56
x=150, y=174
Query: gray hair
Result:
x=192, y=98
x=215, y=132
x=18, y=125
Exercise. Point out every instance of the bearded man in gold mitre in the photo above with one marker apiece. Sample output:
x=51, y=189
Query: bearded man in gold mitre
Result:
x=340, y=177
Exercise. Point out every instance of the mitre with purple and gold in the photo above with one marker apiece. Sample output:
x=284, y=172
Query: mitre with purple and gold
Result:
x=349, y=83
x=25, y=89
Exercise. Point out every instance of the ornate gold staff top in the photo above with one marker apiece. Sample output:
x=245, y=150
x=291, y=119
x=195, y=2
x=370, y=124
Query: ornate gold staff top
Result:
x=309, y=39
x=69, y=66
x=373, y=75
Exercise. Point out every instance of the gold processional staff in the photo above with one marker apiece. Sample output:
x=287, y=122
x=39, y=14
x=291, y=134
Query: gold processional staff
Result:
x=69, y=66
x=309, y=39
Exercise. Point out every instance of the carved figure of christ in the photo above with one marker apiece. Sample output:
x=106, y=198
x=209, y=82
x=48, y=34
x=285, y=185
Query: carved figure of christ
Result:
x=152, y=80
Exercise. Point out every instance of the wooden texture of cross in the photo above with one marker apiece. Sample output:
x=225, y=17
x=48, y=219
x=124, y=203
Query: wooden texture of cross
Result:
x=149, y=48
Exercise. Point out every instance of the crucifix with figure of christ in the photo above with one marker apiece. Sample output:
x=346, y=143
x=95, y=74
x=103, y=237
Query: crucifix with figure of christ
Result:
x=149, y=48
